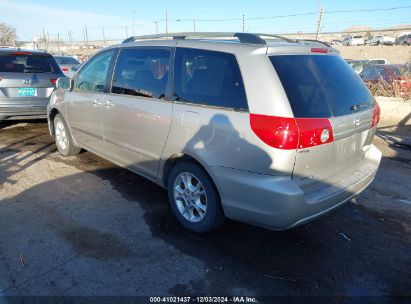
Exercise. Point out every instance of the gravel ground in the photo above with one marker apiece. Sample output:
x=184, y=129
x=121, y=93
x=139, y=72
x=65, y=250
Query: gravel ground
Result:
x=81, y=226
x=394, y=53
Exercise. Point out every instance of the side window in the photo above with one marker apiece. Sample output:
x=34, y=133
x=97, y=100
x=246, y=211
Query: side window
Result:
x=93, y=77
x=209, y=78
x=142, y=72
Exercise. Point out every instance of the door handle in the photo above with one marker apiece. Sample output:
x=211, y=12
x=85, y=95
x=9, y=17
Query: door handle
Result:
x=97, y=102
x=109, y=104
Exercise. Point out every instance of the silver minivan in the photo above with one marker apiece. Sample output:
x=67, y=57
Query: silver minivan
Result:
x=270, y=132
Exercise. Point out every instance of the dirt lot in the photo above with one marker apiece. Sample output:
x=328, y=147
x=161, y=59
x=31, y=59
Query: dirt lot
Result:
x=81, y=226
x=394, y=54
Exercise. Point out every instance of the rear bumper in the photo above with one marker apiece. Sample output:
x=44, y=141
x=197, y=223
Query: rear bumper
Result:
x=20, y=111
x=277, y=203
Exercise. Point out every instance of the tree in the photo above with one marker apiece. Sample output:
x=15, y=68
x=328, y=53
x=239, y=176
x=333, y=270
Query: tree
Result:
x=7, y=34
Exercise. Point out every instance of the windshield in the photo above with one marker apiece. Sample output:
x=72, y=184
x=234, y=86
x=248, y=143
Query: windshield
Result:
x=319, y=86
x=28, y=63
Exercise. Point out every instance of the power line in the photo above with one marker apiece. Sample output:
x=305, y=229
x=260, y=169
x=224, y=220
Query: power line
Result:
x=300, y=14
x=369, y=10
x=243, y=19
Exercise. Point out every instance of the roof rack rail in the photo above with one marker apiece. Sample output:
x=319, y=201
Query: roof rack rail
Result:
x=252, y=38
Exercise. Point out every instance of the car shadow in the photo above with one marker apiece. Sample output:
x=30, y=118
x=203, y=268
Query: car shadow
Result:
x=347, y=253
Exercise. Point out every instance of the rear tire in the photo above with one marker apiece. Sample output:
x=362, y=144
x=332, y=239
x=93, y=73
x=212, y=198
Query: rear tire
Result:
x=194, y=198
x=62, y=137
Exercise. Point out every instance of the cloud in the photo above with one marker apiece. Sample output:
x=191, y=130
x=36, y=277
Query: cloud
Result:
x=30, y=18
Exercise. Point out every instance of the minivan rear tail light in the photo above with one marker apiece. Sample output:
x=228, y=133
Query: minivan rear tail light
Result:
x=314, y=132
x=277, y=132
x=53, y=81
x=65, y=70
x=319, y=50
x=291, y=133
x=376, y=115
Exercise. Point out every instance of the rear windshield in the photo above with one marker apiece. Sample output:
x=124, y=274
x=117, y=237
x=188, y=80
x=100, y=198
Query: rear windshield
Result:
x=66, y=60
x=319, y=86
x=28, y=63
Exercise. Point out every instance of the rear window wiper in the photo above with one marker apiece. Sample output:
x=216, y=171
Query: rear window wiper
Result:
x=359, y=106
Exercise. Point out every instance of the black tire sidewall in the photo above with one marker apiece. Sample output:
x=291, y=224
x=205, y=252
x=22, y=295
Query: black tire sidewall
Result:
x=214, y=216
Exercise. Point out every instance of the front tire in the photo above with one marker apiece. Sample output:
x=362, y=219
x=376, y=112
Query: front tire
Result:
x=194, y=198
x=62, y=137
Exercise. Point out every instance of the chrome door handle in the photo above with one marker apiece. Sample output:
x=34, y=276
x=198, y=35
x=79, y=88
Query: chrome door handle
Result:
x=97, y=102
x=109, y=104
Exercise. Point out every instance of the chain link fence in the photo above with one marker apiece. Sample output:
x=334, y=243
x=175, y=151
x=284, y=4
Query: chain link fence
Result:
x=390, y=80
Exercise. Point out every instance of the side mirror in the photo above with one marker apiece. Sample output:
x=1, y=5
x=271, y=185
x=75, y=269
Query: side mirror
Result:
x=64, y=83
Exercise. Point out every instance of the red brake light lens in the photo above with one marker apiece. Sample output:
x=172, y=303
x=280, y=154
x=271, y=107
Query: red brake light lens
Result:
x=53, y=81
x=314, y=132
x=20, y=53
x=64, y=69
x=291, y=133
x=319, y=50
x=376, y=115
x=277, y=132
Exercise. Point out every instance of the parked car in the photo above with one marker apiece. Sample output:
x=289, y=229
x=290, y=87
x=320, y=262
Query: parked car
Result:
x=68, y=64
x=336, y=42
x=27, y=79
x=353, y=40
x=273, y=134
x=381, y=72
x=358, y=65
x=377, y=61
x=403, y=40
x=381, y=39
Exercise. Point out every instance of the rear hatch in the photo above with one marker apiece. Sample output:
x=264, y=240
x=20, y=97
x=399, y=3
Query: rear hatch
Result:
x=335, y=114
x=27, y=77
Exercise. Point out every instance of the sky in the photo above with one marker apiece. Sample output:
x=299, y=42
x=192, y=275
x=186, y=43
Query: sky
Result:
x=64, y=18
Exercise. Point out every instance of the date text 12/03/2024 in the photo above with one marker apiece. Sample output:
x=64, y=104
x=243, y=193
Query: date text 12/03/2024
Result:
x=203, y=300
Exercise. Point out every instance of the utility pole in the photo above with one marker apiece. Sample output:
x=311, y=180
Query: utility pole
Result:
x=71, y=42
x=194, y=24
x=44, y=39
x=156, y=23
x=48, y=43
x=320, y=17
x=86, y=37
x=166, y=21
x=58, y=42
x=243, y=23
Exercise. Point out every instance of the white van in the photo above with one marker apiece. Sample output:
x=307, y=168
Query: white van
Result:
x=353, y=40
